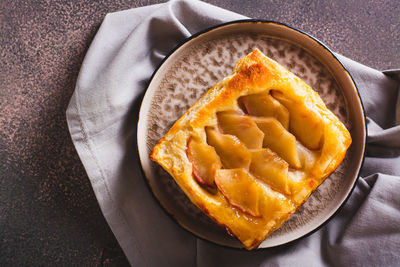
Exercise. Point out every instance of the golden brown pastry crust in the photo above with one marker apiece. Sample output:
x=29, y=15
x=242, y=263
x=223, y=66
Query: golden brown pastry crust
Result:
x=256, y=74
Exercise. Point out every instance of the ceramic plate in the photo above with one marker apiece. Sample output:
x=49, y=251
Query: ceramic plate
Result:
x=205, y=58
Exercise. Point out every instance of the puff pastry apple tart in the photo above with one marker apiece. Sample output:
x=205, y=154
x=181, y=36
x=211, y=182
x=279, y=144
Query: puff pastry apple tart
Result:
x=251, y=150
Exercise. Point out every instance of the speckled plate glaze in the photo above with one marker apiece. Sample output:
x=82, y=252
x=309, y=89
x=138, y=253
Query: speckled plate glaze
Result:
x=204, y=59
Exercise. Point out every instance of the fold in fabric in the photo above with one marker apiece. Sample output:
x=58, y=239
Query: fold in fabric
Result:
x=102, y=118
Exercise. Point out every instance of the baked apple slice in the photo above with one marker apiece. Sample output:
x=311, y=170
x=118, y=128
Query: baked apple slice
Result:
x=240, y=189
x=242, y=127
x=205, y=161
x=307, y=157
x=264, y=105
x=279, y=140
x=306, y=125
x=270, y=168
x=232, y=152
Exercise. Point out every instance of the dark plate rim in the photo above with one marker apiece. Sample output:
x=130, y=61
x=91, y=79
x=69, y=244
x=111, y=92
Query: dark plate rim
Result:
x=181, y=43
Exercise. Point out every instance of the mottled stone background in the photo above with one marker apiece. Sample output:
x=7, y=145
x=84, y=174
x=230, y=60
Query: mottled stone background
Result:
x=48, y=212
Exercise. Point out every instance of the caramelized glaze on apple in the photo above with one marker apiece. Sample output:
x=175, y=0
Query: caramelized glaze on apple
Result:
x=240, y=189
x=205, y=161
x=241, y=126
x=279, y=140
x=232, y=152
x=306, y=126
x=271, y=169
x=307, y=157
x=264, y=105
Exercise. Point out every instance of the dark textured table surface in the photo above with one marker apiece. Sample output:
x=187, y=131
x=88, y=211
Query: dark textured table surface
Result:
x=48, y=212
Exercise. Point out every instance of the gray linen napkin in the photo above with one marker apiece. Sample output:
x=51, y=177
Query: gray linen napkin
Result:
x=102, y=117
